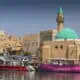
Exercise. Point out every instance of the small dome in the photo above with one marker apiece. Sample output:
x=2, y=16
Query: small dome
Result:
x=67, y=33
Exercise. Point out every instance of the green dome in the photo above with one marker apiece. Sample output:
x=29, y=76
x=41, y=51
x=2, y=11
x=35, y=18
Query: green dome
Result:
x=67, y=33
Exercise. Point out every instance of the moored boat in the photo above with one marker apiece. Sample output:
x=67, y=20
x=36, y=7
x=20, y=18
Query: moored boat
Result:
x=13, y=64
x=16, y=68
x=60, y=66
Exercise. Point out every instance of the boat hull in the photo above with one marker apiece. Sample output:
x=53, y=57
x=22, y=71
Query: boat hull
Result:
x=16, y=68
x=59, y=68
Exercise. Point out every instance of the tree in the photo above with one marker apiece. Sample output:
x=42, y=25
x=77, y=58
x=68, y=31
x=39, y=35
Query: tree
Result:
x=27, y=53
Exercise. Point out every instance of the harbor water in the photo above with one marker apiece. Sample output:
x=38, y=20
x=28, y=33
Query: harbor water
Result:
x=23, y=75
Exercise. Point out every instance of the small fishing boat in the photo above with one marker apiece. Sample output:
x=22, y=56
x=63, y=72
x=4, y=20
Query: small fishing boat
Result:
x=13, y=64
x=59, y=65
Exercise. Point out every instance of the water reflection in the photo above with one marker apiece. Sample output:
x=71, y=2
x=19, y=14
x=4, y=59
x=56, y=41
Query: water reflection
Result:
x=13, y=75
x=58, y=76
x=20, y=75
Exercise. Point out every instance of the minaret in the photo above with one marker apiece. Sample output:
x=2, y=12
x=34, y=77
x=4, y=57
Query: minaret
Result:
x=60, y=20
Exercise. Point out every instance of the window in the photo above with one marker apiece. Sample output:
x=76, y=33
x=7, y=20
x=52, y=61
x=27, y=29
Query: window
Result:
x=36, y=43
x=56, y=47
x=32, y=43
x=61, y=46
x=27, y=48
x=28, y=44
x=79, y=58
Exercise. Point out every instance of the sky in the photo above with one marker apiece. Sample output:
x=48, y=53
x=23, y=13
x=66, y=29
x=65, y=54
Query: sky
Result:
x=20, y=17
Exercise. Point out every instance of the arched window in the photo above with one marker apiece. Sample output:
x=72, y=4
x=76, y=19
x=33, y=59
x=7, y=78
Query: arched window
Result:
x=56, y=46
x=33, y=43
x=79, y=58
x=36, y=43
x=61, y=46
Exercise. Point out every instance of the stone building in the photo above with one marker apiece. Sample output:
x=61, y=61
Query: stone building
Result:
x=65, y=46
x=31, y=43
x=10, y=42
x=61, y=49
x=48, y=35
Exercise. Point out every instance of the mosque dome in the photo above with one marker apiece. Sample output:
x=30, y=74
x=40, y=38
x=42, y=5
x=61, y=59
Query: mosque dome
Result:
x=67, y=33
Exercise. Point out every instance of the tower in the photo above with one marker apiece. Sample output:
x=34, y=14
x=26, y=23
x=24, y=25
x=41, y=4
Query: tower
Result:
x=60, y=20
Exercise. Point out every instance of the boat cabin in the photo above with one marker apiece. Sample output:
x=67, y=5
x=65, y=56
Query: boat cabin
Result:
x=60, y=61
